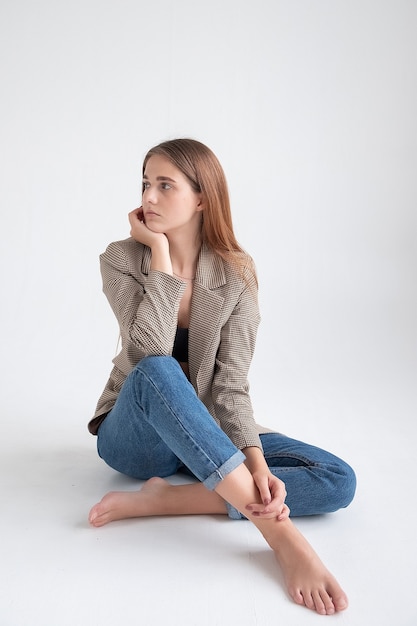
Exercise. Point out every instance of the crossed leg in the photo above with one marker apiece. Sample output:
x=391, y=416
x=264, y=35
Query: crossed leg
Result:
x=308, y=581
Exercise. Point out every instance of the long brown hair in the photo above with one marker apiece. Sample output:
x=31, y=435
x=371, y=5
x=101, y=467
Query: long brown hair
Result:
x=206, y=176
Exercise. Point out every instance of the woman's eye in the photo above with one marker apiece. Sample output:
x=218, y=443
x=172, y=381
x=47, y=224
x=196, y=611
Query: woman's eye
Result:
x=147, y=184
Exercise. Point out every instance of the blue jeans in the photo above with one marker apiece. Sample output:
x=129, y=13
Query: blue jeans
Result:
x=158, y=427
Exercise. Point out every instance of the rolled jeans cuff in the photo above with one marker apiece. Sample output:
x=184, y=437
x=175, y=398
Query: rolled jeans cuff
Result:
x=221, y=472
x=234, y=513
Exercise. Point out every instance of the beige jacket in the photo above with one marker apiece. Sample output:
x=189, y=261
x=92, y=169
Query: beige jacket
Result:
x=223, y=325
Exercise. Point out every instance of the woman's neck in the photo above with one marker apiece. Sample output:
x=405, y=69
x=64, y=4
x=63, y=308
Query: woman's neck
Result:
x=184, y=257
x=184, y=265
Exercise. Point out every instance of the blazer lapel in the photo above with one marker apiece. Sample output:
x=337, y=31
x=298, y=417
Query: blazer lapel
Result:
x=206, y=309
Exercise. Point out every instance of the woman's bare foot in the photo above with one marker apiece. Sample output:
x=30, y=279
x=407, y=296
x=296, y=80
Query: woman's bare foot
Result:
x=118, y=505
x=157, y=497
x=308, y=581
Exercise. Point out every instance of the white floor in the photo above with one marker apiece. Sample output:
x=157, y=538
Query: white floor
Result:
x=57, y=571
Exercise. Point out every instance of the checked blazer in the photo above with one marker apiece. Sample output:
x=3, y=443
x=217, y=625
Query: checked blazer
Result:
x=222, y=331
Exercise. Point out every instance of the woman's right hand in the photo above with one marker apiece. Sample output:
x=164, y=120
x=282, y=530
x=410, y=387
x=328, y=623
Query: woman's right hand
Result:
x=157, y=242
x=141, y=233
x=272, y=494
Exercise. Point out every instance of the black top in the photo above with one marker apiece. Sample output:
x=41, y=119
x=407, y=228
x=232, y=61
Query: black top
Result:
x=180, y=349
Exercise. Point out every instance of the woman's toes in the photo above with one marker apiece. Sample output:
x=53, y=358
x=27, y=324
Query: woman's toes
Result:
x=327, y=604
x=297, y=596
x=318, y=603
x=92, y=516
x=340, y=602
x=309, y=602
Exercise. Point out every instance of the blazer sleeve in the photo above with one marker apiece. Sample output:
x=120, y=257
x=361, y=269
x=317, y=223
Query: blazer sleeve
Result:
x=146, y=306
x=230, y=383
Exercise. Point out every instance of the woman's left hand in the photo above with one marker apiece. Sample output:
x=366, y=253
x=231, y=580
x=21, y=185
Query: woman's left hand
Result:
x=273, y=493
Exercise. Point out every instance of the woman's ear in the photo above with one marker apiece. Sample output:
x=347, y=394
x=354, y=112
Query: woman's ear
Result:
x=201, y=203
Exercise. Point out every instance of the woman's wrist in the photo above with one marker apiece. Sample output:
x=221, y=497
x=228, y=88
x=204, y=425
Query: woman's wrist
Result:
x=161, y=259
x=255, y=460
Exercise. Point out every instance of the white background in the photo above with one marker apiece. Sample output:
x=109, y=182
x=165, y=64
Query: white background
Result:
x=311, y=108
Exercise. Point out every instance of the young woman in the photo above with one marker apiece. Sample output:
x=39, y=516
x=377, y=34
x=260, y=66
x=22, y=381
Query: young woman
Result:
x=185, y=296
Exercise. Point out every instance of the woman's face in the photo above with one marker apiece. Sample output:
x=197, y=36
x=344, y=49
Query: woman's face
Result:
x=169, y=203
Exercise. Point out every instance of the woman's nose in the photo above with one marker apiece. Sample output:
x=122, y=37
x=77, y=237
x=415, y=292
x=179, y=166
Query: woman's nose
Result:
x=150, y=195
